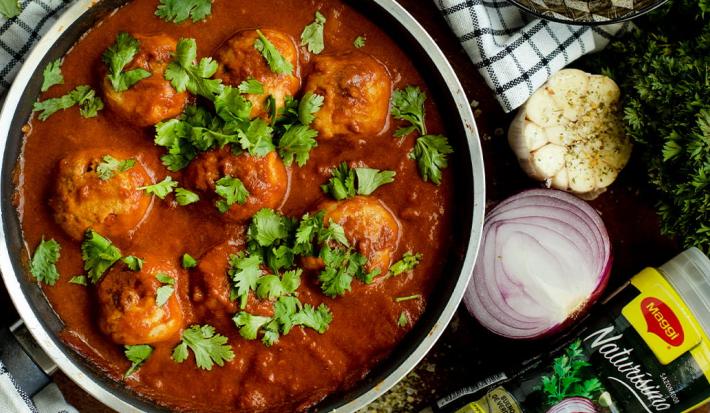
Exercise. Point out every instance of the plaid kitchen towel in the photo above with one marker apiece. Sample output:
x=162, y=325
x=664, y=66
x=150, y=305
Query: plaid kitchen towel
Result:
x=517, y=53
x=13, y=399
x=19, y=34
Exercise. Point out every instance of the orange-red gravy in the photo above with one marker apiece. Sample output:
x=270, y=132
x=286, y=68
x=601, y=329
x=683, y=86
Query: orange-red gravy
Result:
x=304, y=366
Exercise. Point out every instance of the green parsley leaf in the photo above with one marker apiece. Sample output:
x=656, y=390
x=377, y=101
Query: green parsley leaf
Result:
x=308, y=106
x=52, y=75
x=244, y=271
x=232, y=191
x=161, y=189
x=184, y=74
x=249, y=324
x=109, y=165
x=285, y=308
x=308, y=229
x=84, y=96
x=368, y=179
x=10, y=8
x=359, y=42
x=407, y=298
x=403, y=319
x=312, y=36
x=342, y=184
x=251, y=87
x=162, y=294
x=117, y=56
x=297, y=143
x=99, y=254
x=407, y=263
x=209, y=348
x=333, y=232
x=44, y=261
x=177, y=11
x=185, y=197
x=257, y=138
x=316, y=318
x=79, y=280
x=133, y=263
x=340, y=268
x=137, y=355
x=188, y=261
x=271, y=286
x=273, y=57
x=408, y=105
x=430, y=153
x=231, y=105
x=267, y=227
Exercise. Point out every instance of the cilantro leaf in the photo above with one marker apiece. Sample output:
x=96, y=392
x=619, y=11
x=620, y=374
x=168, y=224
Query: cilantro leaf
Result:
x=267, y=227
x=407, y=263
x=359, y=42
x=271, y=286
x=184, y=74
x=369, y=179
x=188, y=261
x=10, y=8
x=316, y=318
x=177, y=11
x=52, y=75
x=109, y=165
x=117, y=56
x=244, y=271
x=342, y=184
x=137, y=355
x=333, y=232
x=249, y=324
x=408, y=298
x=257, y=138
x=185, y=197
x=163, y=294
x=312, y=35
x=161, y=189
x=133, y=263
x=251, y=87
x=277, y=63
x=403, y=320
x=84, y=96
x=99, y=254
x=79, y=280
x=44, y=261
x=209, y=348
x=231, y=105
x=308, y=106
x=308, y=229
x=340, y=268
x=408, y=105
x=297, y=143
x=430, y=153
x=232, y=191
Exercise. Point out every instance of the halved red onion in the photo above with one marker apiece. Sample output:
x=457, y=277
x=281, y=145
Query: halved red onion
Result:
x=574, y=405
x=545, y=257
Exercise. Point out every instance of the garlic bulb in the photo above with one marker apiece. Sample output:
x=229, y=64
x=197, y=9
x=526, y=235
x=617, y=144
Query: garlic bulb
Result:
x=570, y=134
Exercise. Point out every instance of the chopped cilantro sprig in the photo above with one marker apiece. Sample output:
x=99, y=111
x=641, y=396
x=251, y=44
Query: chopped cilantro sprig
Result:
x=137, y=355
x=312, y=35
x=186, y=73
x=99, y=254
x=117, y=56
x=177, y=11
x=277, y=63
x=209, y=347
x=347, y=183
x=83, y=96
x=44, y=261
x=52, y=75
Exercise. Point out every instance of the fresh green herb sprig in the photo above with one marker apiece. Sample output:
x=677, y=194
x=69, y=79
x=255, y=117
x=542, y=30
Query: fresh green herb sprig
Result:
x=52, y=75
x=231, y=191
x=177, y=11
x=346, y=182
x=99, y=254
x=359, y=42
x=571, y=377
x=110, y=165
x=165, y=291
x=312, y=36
x=186, y=73
x=430, y=151
x=209, y=347
x=407, y=263
x=137, y=355
x=44, y=261
x=83, y=96
x=277, y=63
x=160, y=189
x=117, y=56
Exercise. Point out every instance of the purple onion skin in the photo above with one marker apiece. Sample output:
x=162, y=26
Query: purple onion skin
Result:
x=574, y=405
x=582, y=310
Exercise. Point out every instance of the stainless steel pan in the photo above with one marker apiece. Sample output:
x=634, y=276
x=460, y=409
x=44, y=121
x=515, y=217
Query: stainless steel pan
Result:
x=467, y=161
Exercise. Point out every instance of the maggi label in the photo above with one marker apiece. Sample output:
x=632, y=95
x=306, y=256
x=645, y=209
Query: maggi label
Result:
x=661, y=321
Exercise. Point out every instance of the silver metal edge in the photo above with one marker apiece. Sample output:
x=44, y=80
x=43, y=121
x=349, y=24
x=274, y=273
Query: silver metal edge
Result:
x=426, y=41
x=23, y=307
x=479, y=199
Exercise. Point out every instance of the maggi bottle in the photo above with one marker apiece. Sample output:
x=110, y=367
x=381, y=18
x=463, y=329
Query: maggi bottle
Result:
x=646, y=350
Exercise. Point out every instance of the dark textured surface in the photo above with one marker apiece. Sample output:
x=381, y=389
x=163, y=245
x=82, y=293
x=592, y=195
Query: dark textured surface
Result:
x=466, y=353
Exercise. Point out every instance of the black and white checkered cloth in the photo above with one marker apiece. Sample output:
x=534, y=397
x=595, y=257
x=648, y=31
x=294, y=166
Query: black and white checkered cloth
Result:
x=517, y=53
x=19, y=34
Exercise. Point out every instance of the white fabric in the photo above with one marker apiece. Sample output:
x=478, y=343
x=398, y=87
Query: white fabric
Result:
x=514, y=52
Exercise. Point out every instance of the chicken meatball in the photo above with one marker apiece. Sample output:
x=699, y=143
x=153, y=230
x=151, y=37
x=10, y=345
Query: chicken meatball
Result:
x=356, y=88
x=369, y=226
x=265, y=178
x=239, y=60
x=210, y=285
x=128, y=308
x=99, y=189
x=152, y=99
